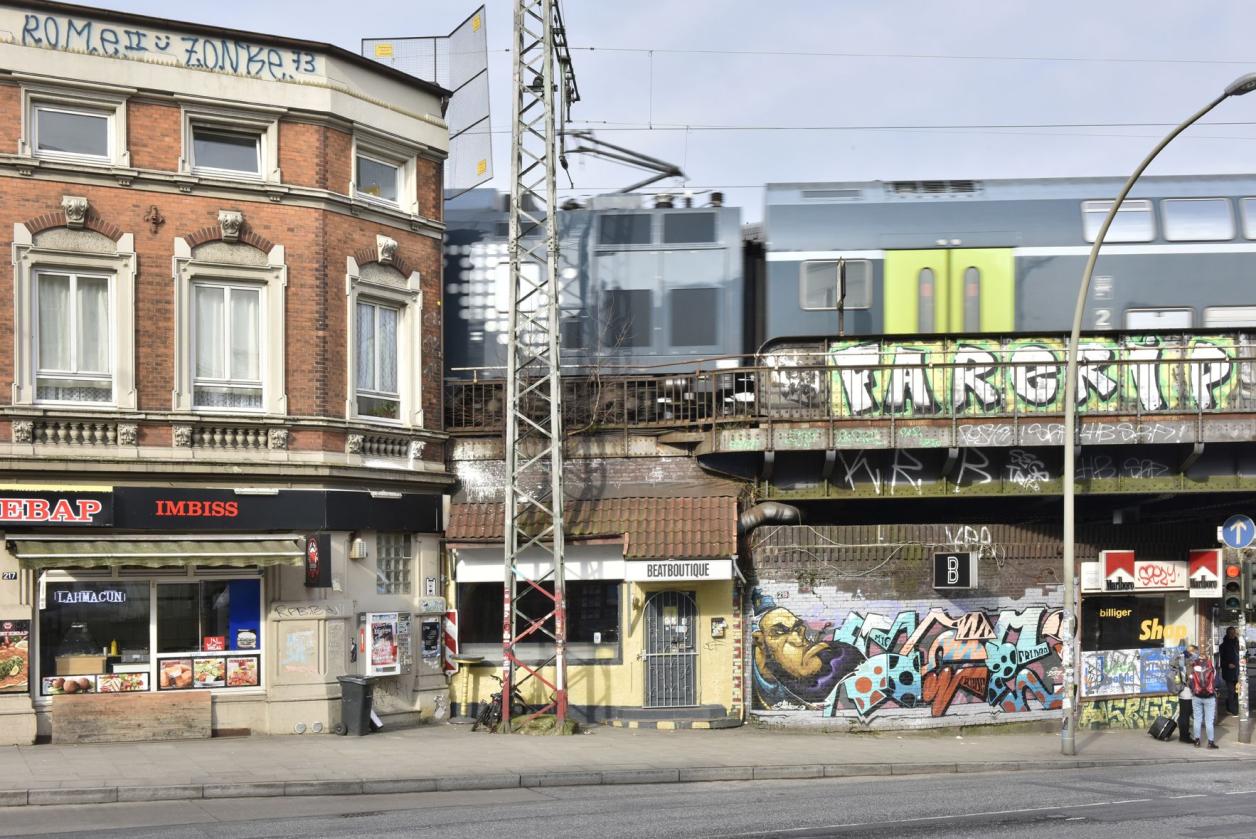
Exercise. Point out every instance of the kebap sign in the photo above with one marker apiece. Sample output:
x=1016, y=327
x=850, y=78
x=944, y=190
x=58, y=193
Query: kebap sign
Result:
x=649, y=571
x=62, y=509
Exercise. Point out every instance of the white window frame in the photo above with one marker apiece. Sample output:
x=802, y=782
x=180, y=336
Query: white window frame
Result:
x=1248, y=207
x=1101, y=207
x=802, y=276
x=260, y=122
x=382, y=395
x=390, y=152
x=31, y=259
x=75, y=331
x=272, y=278
x=1167, y=203
x=98, y=101
x=405, y=295
x=228, y=381
x=1167, y=310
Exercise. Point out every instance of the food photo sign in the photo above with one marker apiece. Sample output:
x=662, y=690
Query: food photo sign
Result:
x=15, y=639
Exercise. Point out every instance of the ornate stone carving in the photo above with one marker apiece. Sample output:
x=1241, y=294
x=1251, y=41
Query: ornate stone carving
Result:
x=416, y=448
x=231, y=221
x=387, y=249
x=23, y=431
x=154, y=218
x=181, y=435
x=128, y=434
x=278, y=438
x=75, y=210
x=353, y=444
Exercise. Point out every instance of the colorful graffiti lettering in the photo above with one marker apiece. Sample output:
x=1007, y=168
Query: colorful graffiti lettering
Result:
x=1007, y=661
x=1127, y=711
x=975, y=377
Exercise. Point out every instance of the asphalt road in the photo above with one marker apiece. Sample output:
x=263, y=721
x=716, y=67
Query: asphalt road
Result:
x=1205, y=800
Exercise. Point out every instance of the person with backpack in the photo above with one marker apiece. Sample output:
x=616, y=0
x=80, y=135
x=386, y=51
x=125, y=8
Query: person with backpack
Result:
x=1184, y=693
x=1203, y=683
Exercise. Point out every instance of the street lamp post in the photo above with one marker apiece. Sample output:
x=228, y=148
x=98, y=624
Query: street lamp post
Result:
x=1240, y=86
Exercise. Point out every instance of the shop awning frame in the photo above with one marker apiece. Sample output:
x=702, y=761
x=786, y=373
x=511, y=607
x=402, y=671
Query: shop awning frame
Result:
x=44, y=552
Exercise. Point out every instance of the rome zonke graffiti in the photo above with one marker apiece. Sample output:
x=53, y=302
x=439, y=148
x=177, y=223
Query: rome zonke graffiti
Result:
x=1007, y=661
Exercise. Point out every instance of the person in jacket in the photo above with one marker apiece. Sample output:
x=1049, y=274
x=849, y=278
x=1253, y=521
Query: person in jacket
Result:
x=1229, y=656
x=1185, y=714
x=1202, y=678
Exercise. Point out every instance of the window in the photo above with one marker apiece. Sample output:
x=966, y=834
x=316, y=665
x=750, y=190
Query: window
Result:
x=819, y=284
x=72, y=345
x=1159, y=318
x=627, y=318
x=61, y=132
x=378, y=394
x=377, y=179
x=1249, y=217
x=1229, y=317
x=227, y=340
x=394, y=566
x=1133, y=222
x=926, y=301
x=680, y=228
x=624, y=229
x=215, y=151
x=1197, y=219
x=972, y=299
x=694, y=315
x=593, y=619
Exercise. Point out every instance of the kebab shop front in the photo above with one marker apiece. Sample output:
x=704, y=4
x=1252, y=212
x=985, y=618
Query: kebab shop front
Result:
x=187, y=608
x=1137, y=615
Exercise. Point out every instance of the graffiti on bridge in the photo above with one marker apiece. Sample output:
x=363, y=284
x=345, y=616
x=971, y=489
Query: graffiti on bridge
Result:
x=1005, y=660
x=979, y=377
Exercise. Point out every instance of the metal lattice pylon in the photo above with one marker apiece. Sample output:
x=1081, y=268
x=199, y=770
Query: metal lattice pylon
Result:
x=543, y=82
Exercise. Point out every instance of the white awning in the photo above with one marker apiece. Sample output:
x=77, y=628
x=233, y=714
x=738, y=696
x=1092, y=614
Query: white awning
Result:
x=580, y=562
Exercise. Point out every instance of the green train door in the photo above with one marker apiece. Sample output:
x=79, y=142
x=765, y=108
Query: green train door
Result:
x=958, y=290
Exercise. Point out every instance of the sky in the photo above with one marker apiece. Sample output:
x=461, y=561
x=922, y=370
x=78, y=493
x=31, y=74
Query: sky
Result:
x=741, y=93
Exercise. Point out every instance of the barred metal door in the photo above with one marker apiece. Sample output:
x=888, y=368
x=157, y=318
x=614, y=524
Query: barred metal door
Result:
x=671, y=650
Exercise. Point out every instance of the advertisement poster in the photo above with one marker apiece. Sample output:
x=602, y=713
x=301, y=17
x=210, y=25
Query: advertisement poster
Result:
x=175, y=674
x=242, y=673
x=381, y=634
x=15, y=639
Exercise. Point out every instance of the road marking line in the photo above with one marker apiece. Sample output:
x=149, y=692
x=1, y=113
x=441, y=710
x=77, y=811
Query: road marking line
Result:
x=1190, y=795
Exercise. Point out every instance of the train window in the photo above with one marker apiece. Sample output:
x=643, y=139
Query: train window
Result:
x=1249, y=217
x=1197, y=219
x=972, y=299
x=925, y=318
x=1133, y=222
x=818, y=287
x=624, y=229
x=1159, y=318
x=693, y=315
x=571, y=334
x=1230, y=317
x=682, y=228
x=627, y=321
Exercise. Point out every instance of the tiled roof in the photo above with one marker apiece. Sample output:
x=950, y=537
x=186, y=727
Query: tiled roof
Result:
x=660, y=528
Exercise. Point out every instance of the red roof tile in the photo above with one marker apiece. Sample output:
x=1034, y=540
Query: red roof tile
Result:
x=657, y=528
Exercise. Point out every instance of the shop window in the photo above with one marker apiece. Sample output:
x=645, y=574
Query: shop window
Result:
x=819, y=284
x=394, y=572
x=593, y=619
x=112, y=636
x=378, y=393
x=73, y=357
x=227, y=343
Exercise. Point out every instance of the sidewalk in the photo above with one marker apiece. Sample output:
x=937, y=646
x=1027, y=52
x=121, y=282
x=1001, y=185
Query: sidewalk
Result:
x=445, y=757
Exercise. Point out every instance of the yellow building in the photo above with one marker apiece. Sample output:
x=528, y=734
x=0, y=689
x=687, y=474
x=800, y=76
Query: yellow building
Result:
x=653, y=604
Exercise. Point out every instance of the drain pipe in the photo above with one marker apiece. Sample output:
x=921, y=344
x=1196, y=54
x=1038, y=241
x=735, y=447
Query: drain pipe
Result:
x=767, y=512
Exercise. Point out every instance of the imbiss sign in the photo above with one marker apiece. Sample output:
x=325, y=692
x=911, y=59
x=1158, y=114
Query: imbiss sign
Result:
x=668, y=570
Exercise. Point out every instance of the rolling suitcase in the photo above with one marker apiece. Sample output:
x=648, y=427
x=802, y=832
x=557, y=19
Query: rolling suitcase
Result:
x=1162, y=728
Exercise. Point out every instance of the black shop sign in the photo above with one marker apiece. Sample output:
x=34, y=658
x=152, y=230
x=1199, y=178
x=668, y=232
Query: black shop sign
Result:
x=19, y=508
x=208, y=510
x=954, y=571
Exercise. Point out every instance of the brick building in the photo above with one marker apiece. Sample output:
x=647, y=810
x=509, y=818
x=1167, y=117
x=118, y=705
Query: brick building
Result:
x=226, y=338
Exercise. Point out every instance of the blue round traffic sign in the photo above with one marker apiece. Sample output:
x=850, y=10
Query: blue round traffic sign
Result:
x=1238, y=531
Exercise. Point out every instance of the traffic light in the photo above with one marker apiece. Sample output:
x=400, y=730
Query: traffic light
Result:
x=1249, y=583
x=1233, y=596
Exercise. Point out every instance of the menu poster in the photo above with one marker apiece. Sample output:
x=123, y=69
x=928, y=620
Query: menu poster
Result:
x=243, y=672
x=209, y=672
x=382, y=636
x=121, y=682
x=175, y=674
x=60, y=685
x=15, y=638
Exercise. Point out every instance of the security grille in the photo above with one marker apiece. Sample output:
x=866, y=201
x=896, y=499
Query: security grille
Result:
x=671, y=650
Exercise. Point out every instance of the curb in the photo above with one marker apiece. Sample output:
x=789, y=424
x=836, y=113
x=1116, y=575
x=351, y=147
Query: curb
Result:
x=678, y=725
x=55, y=796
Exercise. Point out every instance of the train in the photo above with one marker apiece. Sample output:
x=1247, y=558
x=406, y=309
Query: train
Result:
x=651, y=287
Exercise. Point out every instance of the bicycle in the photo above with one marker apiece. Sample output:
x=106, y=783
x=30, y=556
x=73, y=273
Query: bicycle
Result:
x=490, y=715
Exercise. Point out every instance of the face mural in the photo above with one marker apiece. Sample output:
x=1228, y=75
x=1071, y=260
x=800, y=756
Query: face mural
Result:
x=911, y=663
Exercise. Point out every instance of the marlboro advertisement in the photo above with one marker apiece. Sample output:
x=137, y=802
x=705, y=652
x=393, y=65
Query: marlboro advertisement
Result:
x=318, y=560
x=384, y=658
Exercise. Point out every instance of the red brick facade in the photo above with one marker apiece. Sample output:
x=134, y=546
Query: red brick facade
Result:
x=317, y=242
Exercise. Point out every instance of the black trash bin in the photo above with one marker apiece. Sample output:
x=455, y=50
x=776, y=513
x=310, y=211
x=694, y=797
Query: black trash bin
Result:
x=357, y=695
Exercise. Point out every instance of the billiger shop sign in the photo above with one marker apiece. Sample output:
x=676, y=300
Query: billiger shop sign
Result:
x=669, y=570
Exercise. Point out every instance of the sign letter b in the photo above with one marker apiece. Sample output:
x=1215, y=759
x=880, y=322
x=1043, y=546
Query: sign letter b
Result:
x=952, y=570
